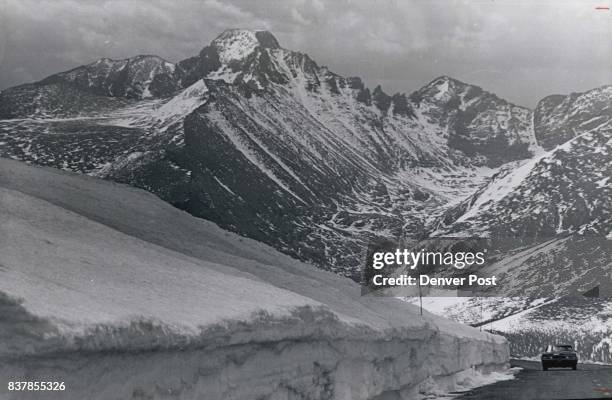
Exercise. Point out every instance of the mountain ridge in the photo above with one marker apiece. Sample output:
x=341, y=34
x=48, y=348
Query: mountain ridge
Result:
x=253, y=126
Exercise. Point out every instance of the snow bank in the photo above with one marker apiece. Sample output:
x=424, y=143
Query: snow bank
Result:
x=462, y=382
x=121, y=296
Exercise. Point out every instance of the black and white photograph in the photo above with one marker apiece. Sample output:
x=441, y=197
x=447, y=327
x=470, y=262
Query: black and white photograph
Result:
x=305, y=199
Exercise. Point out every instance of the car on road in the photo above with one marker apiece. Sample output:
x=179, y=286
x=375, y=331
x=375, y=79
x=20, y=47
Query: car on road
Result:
x=559, y=356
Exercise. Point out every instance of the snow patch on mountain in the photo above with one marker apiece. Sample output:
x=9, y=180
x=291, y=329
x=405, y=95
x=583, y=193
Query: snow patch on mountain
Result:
x=181, y=105
x=500, y=186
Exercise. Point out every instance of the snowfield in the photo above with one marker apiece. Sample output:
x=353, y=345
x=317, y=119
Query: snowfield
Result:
x=122, y=296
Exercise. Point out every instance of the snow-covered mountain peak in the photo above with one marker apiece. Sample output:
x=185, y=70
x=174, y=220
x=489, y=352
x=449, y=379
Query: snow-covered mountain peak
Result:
x=238, y=44
x=445, y=90
x=444, y=86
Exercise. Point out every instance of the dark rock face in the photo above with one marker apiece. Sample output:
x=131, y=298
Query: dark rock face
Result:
x=267, y=40
x=559, y=118
x=401, y=105
x=381, y=99
x=237, y=195
x=195, y=68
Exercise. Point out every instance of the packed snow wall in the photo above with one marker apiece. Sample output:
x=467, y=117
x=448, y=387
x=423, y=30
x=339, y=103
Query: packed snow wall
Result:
x=120, y=296
x=308, y=355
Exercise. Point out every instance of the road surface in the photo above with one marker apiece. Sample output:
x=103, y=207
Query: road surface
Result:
x=589, y=381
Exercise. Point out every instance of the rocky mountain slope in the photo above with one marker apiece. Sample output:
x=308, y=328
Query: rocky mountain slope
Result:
x=478, y=123
x=267, y=143
x=530, y=325
x=559, y=118
x=550, y=220
x=563, y=191
x=231, y=318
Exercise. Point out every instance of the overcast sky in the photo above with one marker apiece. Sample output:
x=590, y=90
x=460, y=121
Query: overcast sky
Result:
x=520, y=49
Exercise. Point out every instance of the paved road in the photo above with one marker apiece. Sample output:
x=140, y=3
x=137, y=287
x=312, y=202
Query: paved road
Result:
x=589, y=381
